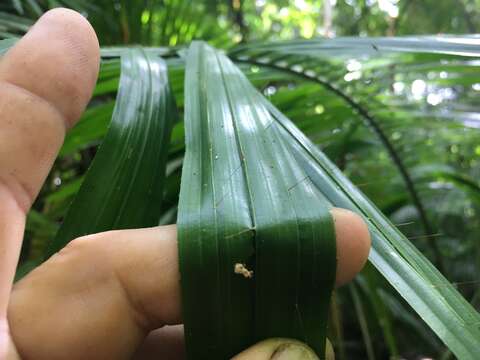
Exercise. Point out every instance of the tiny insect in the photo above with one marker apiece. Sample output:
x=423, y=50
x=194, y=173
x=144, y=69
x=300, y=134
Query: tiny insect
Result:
x=241, y=269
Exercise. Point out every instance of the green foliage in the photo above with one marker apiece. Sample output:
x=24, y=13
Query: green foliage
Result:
x=399, y=117
x=123, y=187
x=246, y=201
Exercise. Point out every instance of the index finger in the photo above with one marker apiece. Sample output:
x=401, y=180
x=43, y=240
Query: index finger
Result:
x=46, y=81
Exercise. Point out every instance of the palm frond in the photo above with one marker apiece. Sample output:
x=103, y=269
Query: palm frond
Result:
x=243, y=205
x=131, y=161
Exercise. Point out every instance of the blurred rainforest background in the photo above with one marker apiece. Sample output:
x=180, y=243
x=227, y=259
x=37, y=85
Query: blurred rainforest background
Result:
x=400, y=118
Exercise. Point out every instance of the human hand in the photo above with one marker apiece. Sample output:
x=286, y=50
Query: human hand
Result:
x=113, y=295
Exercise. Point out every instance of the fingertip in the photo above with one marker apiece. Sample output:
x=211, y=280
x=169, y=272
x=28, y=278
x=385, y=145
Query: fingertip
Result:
x=353, y=244
x=57, y=60
x=278, y=349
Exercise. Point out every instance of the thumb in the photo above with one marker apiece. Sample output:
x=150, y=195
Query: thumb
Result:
x=283, y=349
x=98, y=297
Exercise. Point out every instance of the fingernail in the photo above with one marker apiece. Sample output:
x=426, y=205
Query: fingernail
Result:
x=293, y=351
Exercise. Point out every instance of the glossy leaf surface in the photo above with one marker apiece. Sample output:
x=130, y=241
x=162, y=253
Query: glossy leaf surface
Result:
x=124, y=186
x=256, y=237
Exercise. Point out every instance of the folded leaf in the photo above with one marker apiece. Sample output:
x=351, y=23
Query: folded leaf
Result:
x=256, y=238
x=123, y=187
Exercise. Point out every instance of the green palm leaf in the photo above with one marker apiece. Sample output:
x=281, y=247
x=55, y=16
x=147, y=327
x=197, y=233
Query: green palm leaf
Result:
x=405, y=268
x=440, y=305
x=383, y=63
x=252, y=227
x=422, y=286
x=345, y=47
x=124, y=185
